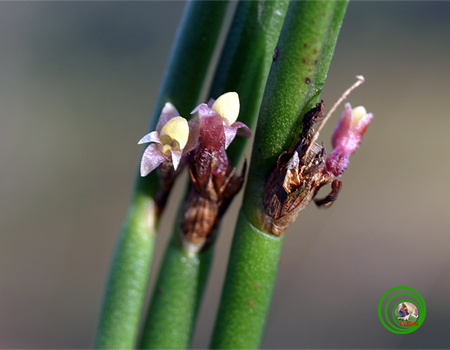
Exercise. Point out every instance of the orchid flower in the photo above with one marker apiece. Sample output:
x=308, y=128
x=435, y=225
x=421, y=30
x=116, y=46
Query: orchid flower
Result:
x=169, y=142
x=217, y=128
x=347, y=137
x=227, y=108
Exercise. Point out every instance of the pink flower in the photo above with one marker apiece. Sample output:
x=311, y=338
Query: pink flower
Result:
x=226, y=107
x=347, y=137
x=171, y=141
x=217, y=129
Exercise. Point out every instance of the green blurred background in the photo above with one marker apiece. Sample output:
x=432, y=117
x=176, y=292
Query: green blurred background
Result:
x=78, y=84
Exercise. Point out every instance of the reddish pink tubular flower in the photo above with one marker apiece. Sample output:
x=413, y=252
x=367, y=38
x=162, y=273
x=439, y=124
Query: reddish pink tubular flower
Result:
x=347, y=137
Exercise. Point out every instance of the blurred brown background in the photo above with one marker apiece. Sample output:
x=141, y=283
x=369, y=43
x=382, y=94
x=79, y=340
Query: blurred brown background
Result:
x=78, y=84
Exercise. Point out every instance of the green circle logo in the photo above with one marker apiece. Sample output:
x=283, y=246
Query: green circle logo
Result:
x=402, y=310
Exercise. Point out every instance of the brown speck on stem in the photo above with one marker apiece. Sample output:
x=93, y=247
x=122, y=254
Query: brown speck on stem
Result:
x=315, y=51
x=304, y=60
x=275, y=53
x=315, y=62
x=257, y=286
x=159, y=291
x=308, y=81
x=249, y=302
x=259, y=149
x=305, y=45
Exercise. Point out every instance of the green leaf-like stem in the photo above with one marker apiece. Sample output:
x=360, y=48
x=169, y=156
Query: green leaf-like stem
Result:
x=251, y=274
x=130, y=268
x=296, y=79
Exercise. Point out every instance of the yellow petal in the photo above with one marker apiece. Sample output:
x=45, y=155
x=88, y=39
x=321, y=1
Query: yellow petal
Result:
x=358, y=113
x=178, y=130
x=227, y=105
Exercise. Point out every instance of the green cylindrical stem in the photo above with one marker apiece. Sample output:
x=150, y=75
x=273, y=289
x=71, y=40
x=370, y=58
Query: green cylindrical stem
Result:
x=175, y=301
x=246, y=58
x=130, y=269
x=296, y=79
x=127, y=284
x=251, y=275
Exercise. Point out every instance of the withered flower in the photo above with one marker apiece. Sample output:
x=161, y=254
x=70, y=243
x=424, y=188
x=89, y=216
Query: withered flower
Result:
x=303, y=169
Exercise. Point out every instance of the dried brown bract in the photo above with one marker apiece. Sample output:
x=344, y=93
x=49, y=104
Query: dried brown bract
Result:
x=299, y=174
x=208, y=199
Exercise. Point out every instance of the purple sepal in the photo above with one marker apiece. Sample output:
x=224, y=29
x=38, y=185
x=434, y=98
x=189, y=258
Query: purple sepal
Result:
x=230, y=134
x=346, y=136
x=342, y=128
x=194, y=134
x=150, y=137
x=151, y=159
x=176, y=157
x=245, y=128
x=231, y=131
x=211, y=128
x=168, y=112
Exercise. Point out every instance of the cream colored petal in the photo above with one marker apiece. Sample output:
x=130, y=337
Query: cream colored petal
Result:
x=177, y=129
x=358, y=113
x=227, y=105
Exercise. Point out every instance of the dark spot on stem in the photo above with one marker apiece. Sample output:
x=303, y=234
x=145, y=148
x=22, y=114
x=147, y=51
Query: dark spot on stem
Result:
x=307, y=81
x=159, y=291
x=315, y=62
x=315, y=51
x=249, y=302
x=305, y=45
x=304, y=60
x=257, y=286
x=259, y=149
x=275, y=53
